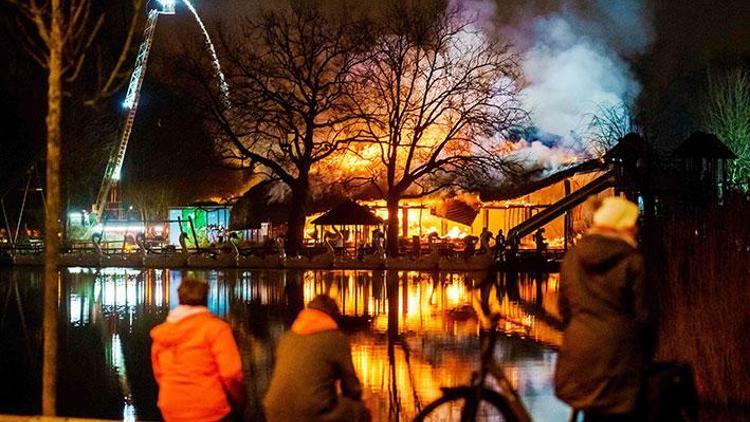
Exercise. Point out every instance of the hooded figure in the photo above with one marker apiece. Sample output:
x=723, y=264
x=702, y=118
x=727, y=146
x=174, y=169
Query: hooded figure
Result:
x=195, y=361
x=310, y=360
x=607, y=337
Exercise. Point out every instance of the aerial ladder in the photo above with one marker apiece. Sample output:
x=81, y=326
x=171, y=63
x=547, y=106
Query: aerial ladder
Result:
x=108, y=188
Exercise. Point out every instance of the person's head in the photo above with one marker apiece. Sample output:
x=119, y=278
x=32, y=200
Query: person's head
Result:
x=326, y=305
x=193, y=292
x=617, y=214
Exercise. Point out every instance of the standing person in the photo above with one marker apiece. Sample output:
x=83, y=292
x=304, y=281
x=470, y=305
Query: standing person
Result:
x=310, y=360
x=499, y=245
x=607, y=337
x=416, y=246
x=515, y=245
x=195, y=361
x=540, y=241
x=484, y=240
x=470, y=246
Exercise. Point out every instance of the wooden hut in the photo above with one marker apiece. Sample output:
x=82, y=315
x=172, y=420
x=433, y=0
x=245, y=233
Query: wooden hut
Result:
x=256, y=215
x=354, y=221
x=704, y=160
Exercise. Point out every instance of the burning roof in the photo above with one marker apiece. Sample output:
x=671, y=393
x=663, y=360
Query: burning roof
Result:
x=456, y=210
x=531, y=184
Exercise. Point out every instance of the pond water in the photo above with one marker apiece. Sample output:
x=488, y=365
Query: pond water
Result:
x=106, y=316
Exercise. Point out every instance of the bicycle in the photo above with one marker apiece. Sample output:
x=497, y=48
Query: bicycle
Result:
x=476, y=400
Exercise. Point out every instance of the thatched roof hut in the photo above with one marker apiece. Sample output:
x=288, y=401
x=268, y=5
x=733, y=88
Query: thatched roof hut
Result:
x=348, y=213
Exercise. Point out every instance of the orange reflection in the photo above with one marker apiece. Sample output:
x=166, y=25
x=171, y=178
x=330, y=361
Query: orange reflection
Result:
x=438, y=342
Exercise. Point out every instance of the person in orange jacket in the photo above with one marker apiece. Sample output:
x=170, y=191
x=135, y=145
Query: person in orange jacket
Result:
x=195, y=361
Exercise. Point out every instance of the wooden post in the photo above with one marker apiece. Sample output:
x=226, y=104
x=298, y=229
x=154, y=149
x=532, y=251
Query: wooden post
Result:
x=192, y=231
x=405, y=222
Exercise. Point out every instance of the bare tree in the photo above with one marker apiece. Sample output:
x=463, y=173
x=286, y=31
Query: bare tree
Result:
x=442, y=98
x=290, y=77
x=727, y=115
x=81, y=30
x=56, y=28
x=606, y=127
x=56, y=34
x=152, y=200
x=111, y=79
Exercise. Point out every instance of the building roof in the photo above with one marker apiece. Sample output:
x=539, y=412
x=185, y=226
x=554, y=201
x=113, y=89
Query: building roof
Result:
x=703, y=145
x=257, y=206
x=203, y=204
x=629, y=148
x=511, y=191
x=254, y=207
x=348, y=213
x=457, y=211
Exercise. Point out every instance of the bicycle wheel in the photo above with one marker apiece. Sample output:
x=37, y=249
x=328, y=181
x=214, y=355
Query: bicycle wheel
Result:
x=456, y=402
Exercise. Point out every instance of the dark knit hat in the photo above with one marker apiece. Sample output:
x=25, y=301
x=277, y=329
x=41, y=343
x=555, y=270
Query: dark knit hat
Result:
x=325, y=304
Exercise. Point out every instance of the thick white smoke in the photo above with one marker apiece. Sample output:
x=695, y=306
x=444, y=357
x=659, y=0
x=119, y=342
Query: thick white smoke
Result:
x=574, y=59
x=570, y=77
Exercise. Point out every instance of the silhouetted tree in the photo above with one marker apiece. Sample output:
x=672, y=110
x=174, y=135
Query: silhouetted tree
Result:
x=290, y=77
x=56, y=35
x=606, y=127
x=441, y=99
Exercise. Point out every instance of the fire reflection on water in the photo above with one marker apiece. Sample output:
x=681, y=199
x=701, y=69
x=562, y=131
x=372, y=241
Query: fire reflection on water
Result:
x=431, y=318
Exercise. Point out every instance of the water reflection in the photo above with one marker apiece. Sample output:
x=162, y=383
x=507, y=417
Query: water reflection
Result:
x=411, y=333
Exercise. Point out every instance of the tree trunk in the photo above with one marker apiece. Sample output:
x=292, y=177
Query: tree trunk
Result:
x=392, y=231
x=297, y=213
x=51, y=223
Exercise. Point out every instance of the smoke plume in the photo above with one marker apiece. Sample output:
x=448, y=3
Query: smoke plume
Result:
x=575, y=62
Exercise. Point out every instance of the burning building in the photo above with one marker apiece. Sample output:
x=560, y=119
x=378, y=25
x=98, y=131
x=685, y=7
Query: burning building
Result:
x=449, y=216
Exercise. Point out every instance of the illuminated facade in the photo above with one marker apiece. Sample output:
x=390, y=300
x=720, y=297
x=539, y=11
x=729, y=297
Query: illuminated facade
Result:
x=467, y=214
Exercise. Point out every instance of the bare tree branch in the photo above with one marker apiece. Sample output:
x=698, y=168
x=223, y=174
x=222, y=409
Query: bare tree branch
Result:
x=291, y=73
x=442, y=98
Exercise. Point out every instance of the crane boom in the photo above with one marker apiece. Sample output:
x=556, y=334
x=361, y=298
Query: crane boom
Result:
x=114, y=165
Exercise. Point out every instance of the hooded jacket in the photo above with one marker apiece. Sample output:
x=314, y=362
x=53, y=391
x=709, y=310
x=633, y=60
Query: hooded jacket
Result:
x=310, y=359
x=197, y=366
x=606, y=317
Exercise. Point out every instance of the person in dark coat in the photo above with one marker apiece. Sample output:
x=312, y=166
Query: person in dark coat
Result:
x=310, y=360
x=603, y=304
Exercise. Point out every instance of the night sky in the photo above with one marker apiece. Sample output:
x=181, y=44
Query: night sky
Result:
x=685, y=40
